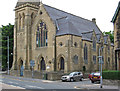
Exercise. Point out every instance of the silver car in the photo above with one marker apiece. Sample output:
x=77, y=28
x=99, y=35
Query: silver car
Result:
x=74, y=76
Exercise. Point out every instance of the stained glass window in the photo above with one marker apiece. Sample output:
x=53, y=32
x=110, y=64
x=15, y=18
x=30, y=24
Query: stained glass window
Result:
x=41, y=35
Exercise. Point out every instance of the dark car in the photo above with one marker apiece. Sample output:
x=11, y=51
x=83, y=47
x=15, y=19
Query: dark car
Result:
x=74, y=76
x=95, y=77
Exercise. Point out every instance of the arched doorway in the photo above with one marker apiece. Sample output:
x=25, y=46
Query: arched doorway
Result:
x=62, y=63
x=42, y=64
x=21, y=68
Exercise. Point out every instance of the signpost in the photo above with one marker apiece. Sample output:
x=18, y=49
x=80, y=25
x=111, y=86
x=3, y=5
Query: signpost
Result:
x=100, y=62
x=32, y=64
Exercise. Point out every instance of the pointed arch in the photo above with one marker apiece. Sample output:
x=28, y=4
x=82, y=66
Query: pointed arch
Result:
x=41, y=63
x=32, y=17
x=23, y=20
x=60, y=62
x=20, y=63
x=94, y=43
x=41, y=34
x=19, y=21
x=85, y=54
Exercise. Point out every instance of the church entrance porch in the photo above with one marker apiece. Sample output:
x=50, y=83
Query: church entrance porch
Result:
x=42, y=64
x=21, y=68
x=61, y=63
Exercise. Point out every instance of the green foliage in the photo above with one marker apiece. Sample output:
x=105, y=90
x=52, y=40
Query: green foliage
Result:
x=111, y=34
x=5, y=31
x=84, y=68
x=113, y=75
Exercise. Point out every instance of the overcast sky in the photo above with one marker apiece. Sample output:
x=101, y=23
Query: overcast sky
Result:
x=102, y=10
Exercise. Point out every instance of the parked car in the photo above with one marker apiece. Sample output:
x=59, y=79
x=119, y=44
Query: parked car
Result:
x=95, y=77
x=74, y=76
x=90, y=75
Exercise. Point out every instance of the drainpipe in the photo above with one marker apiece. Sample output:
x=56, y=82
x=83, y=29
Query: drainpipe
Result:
x=55, y=53
x=115, y=60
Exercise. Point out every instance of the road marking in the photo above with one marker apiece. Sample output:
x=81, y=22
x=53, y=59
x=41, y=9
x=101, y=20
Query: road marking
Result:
x=12, y=82
x=34, y=87
x=47, y=81
x=79, y=87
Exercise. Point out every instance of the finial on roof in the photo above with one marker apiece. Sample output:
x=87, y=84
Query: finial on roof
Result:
x=94, y=20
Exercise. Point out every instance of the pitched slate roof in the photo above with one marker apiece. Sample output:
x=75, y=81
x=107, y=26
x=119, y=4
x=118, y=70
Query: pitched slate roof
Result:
x=68, y=23
x=65, y=26
x=74, y=24
x=116, y=13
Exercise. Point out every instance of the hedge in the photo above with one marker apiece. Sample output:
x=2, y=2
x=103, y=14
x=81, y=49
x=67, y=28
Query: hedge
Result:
x=113, y=75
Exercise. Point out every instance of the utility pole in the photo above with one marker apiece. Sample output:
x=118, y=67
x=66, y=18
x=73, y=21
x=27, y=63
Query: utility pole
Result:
x=100, y=64
x=8, y=53
x=99, y=60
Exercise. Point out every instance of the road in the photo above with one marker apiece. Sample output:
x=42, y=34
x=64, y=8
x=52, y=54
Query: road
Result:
x=29, y=83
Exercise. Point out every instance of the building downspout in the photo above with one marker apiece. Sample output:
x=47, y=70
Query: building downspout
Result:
x=115, y=60
x=57, y=29
x=55, y=53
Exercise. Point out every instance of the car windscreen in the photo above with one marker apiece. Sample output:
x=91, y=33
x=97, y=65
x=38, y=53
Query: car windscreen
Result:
x=97, y=74
x=71, y=74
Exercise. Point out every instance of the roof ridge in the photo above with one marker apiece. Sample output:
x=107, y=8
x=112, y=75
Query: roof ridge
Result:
x=67, y=12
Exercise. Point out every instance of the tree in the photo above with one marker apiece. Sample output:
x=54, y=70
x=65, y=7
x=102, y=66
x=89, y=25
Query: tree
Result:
x=111, y=34
x=7, y=30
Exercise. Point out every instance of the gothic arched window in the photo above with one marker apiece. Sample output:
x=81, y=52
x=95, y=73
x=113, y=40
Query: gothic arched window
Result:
x=32, y=18
x=94, y=44
x=62, y=63
x=20, y=17
x=75, y=59
x=43, y=66
x=41, y=35
x=23, y=20
x=85, y=54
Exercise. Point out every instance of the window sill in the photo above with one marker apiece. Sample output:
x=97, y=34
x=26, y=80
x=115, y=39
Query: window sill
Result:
x=41, y=47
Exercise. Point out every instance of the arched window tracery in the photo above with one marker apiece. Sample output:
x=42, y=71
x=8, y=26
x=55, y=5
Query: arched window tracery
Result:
x=41, y=35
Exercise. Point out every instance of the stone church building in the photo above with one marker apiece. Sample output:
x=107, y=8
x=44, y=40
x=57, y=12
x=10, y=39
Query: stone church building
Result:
x=116, y=23
x=57, y=41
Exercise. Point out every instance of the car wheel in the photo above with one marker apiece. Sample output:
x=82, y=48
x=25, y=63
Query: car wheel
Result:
x=92, y=81
x=81, y=79
x=63, y=81
x=71, y=79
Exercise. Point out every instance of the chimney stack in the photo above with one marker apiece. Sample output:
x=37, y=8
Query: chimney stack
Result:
x=94, y=20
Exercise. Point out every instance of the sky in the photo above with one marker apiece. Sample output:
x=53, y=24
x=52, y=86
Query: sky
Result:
x=102, y=10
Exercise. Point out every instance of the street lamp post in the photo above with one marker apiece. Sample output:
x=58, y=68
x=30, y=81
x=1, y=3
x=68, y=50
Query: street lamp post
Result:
x=8, y=54
x=100, y=62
